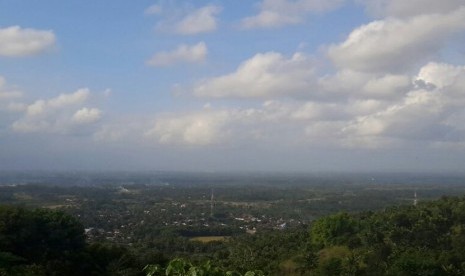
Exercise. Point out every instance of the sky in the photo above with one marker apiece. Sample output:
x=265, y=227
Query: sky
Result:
x=266, y=85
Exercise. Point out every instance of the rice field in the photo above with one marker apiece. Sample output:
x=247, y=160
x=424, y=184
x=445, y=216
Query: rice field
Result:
x=207, y=239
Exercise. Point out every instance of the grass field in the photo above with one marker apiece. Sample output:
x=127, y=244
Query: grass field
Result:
x=206, y=239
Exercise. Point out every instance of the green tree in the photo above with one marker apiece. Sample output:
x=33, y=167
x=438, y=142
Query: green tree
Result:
x=338, y=229
x=42, y=238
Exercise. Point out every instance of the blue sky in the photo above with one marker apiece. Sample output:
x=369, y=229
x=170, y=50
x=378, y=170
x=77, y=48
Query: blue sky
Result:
x=274, y=85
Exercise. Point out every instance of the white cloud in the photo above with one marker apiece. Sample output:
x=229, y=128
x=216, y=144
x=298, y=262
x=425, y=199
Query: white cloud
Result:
x=37, y=108
x=200, y=128
x=422, y=115
x=367, y=103
x=69, y=99
x=183, y=53
x=447, y=80
x=344, y=82
x=269, y=19
x=223, y=126
x=263, y=76
x=387, y=86
x=362, y=107
x=442, y=75
x=18, y=42
x=318, y=111
x=43, y=106
x=275, y=13
x=393, y=45
x=201, y=20
x=63, y=114
x=354, y=84
x=184, y=19
x=417, y=117
x=270, y=75
x=87, y=115
x=274, y=121
x=364, y=110
x=402, y=8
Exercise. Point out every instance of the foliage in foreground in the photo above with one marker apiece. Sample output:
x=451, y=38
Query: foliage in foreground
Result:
x=49, y=242
x=34, y=241
x=181, y=267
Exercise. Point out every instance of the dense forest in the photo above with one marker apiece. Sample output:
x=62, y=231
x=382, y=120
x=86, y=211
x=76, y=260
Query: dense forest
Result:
x=426, y=239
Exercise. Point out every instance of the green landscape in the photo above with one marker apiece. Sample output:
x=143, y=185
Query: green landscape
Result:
x=218, y=224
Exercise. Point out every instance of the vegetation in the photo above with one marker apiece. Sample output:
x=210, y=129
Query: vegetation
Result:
x=256, y=230
x=417, y=240
x=38, y=240
x=181, y=267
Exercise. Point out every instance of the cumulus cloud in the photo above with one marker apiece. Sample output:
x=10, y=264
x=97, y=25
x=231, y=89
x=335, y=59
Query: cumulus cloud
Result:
x=355, y=84
x=428, y=115
x=18, y=42
x=182, y=54
x=275, y=13
x=319, y=111
x=40, y=107
x=394, y=45
x=366, y=110
x=282, y=120
x=271, y=75
x=62, y=114
x=387, y=86
x=264, y=75
x=201, y=20
x=201, y=128
x=185, y=20
x=442, y=75
x=87, y=115
x=412, y=117
x=402, y=8
x=221, y=126
x=272, y=122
